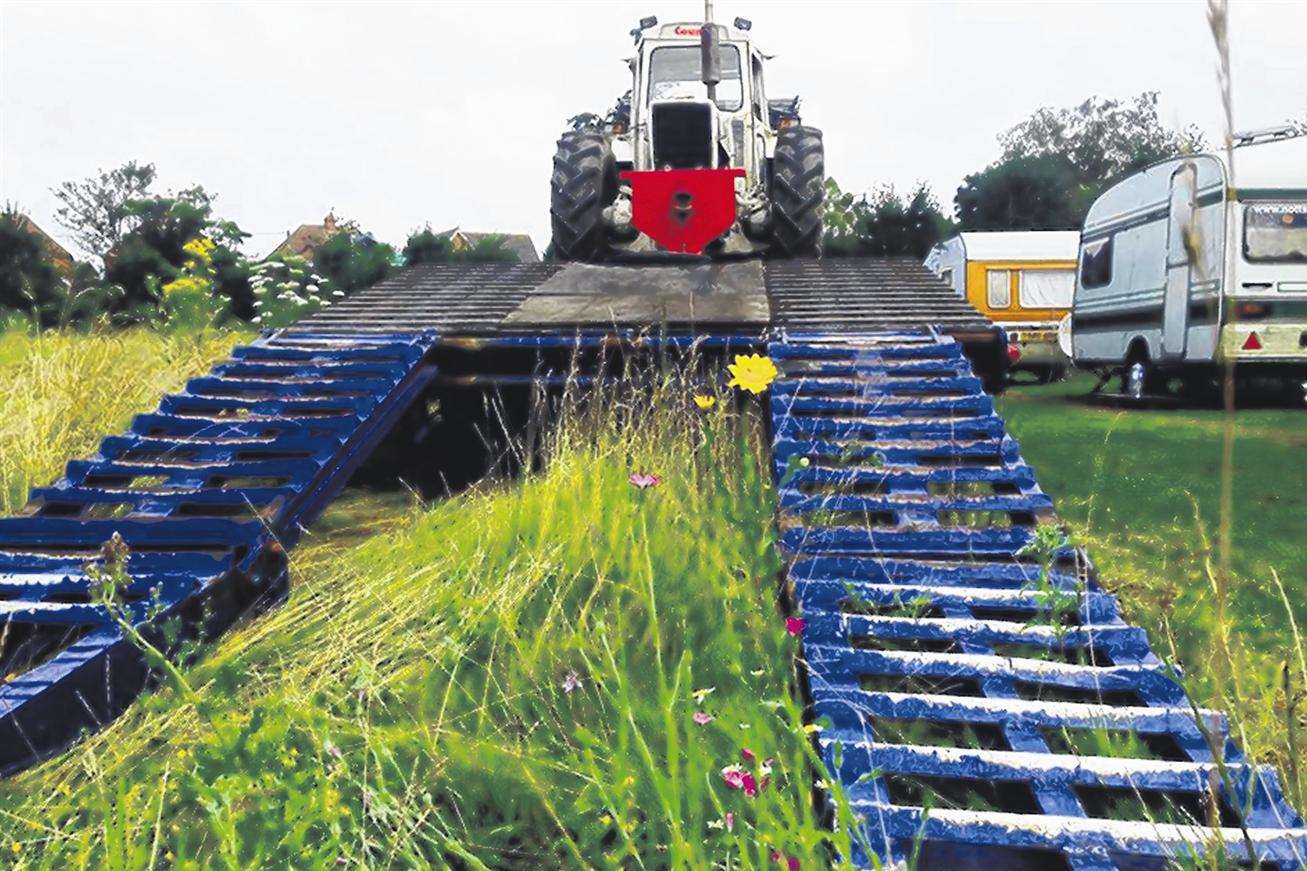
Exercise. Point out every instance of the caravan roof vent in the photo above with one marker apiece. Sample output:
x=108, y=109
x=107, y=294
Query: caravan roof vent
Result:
x=1267, y=134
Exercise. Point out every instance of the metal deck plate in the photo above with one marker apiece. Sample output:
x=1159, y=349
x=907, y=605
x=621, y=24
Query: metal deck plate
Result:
x=705, y=293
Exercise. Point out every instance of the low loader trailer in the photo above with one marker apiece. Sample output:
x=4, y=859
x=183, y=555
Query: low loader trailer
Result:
x=914, y=535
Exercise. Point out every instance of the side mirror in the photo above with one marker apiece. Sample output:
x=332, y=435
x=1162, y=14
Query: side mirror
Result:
x=712, y=57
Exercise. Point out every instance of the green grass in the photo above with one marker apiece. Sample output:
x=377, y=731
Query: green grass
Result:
x=505, y=679
x=1142, y=489
x=60, y=393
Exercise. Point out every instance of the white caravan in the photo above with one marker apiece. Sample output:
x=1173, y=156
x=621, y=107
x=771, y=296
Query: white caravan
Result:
x=1185, y=266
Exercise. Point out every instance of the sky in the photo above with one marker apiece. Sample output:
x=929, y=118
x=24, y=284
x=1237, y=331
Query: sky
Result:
x=399, y=115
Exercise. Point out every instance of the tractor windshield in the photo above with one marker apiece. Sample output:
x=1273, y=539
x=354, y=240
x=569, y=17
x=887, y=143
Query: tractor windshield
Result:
x=675, y=71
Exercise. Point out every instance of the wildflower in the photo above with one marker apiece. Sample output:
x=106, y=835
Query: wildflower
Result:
x=642, y=481
x=571, y=682
x=606, y=820
x=752, y=372
x=16, y=847
x=730, y=822
x=702, y=718
x=700, y=695
x=168, y=856
x=748, y=756
x=332, y=750
x=794, y=625
x=736, y=777
x=705, y=402
x=791, y=863
x=716, y=824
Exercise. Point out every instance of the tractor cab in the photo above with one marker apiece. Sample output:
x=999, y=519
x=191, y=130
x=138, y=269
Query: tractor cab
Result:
x=695, y=161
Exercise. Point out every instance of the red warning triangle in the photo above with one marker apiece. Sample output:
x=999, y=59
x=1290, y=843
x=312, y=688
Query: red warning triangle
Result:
x=1252, y=343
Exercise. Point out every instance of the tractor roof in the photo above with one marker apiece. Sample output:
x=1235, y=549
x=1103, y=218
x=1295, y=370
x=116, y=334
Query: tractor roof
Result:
x=690, y=30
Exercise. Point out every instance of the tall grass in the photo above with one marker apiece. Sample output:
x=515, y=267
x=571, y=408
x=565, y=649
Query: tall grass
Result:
x=506, y=679
x=60, y=393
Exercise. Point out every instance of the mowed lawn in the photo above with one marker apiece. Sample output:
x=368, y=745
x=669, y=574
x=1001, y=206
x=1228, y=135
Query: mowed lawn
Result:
x=1142, y=489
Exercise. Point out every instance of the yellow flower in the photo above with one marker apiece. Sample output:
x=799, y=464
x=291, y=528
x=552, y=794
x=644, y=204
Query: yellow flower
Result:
x=704, y=402
x=752, y=372
x=16, y=847
x=200, y=248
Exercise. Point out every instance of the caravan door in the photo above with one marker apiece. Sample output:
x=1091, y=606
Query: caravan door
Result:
x=1181, y=238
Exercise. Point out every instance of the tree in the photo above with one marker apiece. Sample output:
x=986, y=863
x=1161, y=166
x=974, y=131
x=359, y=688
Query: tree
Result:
x=424, y=246
x=1057, y=162
x=882, y=223
x=1026, y=193
x=28, y=281
x=96, y=210
x=351, y=260
x=154, y=252
x=1101, y=138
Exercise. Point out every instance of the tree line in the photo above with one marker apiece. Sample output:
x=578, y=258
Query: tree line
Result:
x=168, y=259
x=1052, y=167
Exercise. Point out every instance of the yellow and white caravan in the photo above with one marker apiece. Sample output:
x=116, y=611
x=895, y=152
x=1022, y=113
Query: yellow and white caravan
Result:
x=1022, y=280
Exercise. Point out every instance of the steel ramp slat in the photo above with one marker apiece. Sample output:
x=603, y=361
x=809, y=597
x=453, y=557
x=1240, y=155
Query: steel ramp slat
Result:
x=210, y=490
x=924, y=615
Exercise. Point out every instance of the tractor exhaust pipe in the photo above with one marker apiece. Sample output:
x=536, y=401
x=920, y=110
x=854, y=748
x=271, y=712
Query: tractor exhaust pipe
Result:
x=711, y=61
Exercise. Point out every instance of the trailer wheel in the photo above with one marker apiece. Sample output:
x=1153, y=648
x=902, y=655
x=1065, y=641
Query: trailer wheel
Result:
x=583, y=183
x=1140, y=377
x=798, y=177
x=1133, y=379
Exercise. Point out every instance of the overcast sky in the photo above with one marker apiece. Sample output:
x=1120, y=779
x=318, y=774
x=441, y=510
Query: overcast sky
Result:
x=402, y=114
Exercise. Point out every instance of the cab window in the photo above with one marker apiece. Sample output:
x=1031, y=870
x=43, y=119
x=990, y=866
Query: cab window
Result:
x=676, y=71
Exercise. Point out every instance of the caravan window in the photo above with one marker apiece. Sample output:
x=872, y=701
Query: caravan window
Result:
x=1046, y=288
x=999, y=288
x=1096, y=263
x=1275, y=231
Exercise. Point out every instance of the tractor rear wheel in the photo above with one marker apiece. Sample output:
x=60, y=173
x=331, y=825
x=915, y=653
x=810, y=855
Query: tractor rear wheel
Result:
x=583, y=183
x=798, y=176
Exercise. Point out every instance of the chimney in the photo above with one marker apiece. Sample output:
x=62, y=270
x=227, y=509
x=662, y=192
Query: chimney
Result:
x=329, y=222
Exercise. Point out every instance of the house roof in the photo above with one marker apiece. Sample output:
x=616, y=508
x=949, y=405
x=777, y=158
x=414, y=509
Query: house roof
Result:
x=1021, y=244
x=519, y=244
x=57, y=254
x=308, y=238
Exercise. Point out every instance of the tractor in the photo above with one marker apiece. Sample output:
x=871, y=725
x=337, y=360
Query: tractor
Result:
x=694, y=160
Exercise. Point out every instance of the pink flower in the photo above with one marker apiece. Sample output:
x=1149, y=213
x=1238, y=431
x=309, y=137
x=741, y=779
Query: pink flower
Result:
x=641, y=481
x=794, y=625
x=702, y=718
x=736, y=777
x=730, y=822
x=748, y=755
x=791, y=863
x=571, y=682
